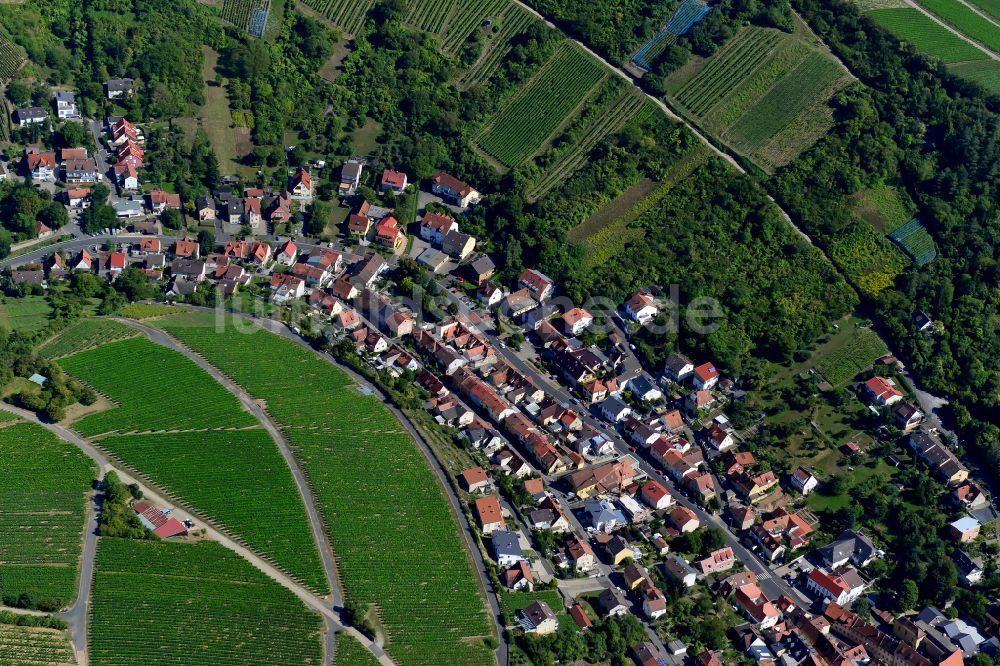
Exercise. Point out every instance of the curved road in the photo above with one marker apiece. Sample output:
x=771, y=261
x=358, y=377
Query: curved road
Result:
x=78, y=613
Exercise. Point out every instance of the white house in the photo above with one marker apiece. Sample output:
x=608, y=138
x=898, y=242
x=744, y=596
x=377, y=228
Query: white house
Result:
x=66, y=106
x=803, y=481
x=641, y=307
x=31, y=115
x=842, y=588
x=705, y=377
x=577, y=320
x=453, y=190
x=614, y=409
x=286, y=255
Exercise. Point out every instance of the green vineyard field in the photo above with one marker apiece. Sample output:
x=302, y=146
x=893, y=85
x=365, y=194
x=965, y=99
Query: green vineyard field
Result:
x=239, y=480
x=157, y=603
x=925, y=35
x=155, y=389
x=369, y=478
x=540, y=106
x=84, y=334
x=34, y=646
x=43, y=499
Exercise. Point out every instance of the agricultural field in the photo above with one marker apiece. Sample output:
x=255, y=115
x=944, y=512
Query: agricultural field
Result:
x=926, y=36
x=536, y=111
x=430, y=15
x=238, y=480
x=34, y=646
x=991, y=7
x=468, y=16
x=765, y=93
x=239, y=12
x=11, y=58
x=155, y=389
x=984, y=72
x=855, y=352
x=352, y=653
x=916, y=242
x=30, y=313
x=346, y=15
x=365, y=470
x=884, y=207
x=156, y=602
x=966, y=21
x=44, y=496
x=869, y=260
x=600, y=122
x=147, y=310
x=84, y=334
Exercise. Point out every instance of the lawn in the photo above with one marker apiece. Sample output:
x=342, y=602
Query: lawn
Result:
x=34, y=646
x=216, y=119
x=365, y=471
x=84, y=334
x=849, y=354
x=156, y=389
x=43, y=500
x=30, y=313
x=364, y=139
x=817, y=501
x=884, y=207
x=156, y=602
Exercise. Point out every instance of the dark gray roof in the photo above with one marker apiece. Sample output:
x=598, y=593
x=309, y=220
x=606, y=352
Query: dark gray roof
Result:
x=31, y=112
x=676, y=362
x=483, y=265
x=119, y=85
x=849, y=545
x=505, y=543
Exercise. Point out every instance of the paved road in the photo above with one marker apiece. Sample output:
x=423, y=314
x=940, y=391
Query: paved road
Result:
x=305, y=493
x=308, y=598
x=772, y=585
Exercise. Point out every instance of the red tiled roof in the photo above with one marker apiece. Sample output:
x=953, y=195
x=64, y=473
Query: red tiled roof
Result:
x=706, y=371
x=488, y=510
x=185, y=248
x=393, y=178
x=441, y=178
x=437, y=222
